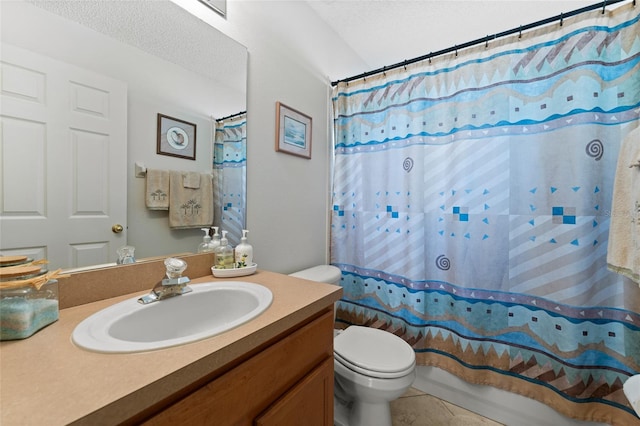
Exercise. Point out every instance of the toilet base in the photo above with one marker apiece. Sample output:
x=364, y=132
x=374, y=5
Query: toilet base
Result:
x=358, y=413
x=340, y=412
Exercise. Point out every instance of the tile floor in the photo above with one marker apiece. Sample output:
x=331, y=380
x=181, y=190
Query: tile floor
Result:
x=416, y=408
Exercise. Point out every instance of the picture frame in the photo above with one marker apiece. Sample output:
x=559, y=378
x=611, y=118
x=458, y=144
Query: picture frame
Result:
x=176, y=138
x=293, y=131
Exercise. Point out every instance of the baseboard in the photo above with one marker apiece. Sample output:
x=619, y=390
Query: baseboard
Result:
x=501, y=406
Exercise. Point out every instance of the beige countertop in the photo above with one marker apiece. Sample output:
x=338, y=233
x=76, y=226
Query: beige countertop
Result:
x=46, y=379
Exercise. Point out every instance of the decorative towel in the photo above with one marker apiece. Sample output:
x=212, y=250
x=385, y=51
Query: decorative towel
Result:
x=623, y=254
x=631, y=390
x=190, y=207
x=191, y=180
x=157, y=189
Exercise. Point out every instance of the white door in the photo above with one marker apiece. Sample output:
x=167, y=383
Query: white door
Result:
x=63, y=153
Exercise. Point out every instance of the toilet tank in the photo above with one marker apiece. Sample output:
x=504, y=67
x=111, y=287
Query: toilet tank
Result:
x=321, y=273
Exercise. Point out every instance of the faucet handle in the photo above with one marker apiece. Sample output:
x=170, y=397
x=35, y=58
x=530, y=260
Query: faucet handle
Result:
x=175, y=267
x=174, y=285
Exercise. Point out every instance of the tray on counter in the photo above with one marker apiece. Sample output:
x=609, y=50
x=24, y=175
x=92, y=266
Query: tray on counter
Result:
x=235, y=272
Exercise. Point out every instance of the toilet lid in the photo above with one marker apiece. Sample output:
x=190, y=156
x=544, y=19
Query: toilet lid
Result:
x=374, y=352
x=322, y=273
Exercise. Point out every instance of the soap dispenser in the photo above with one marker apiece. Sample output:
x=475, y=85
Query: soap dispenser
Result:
x=224, y=253
x=244, y=252
x=215, y=242
x=205, y=246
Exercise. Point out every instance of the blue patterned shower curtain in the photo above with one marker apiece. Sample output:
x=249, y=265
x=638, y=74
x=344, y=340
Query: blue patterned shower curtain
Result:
x=471, y=208
x=230, y=176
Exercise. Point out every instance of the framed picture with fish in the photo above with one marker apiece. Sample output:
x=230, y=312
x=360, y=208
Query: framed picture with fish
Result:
x=176, y=138
x=293, y=131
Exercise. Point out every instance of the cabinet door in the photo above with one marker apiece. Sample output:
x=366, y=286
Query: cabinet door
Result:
x=241, y=394
x=308, y=403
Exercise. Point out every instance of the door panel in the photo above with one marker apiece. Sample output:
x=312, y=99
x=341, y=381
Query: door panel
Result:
x=63, y=143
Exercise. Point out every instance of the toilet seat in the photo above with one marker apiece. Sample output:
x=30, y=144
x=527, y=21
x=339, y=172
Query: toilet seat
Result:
x=374, y=353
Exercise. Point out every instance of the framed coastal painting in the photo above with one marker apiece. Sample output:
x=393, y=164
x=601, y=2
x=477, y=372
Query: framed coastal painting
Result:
x=176, y=138
x=293, y=131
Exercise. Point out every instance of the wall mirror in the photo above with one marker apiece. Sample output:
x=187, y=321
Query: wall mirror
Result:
x=151, y=57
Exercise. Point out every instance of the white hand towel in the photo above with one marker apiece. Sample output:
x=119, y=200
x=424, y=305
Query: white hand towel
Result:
x=157, y=189
x=623, y=254
x=632, y=391
x=190, y=207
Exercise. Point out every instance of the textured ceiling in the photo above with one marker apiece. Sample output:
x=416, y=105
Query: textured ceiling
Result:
x=163, y=29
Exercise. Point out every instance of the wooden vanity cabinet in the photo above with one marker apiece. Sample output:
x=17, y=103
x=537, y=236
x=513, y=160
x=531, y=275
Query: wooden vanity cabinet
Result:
x=290, y=382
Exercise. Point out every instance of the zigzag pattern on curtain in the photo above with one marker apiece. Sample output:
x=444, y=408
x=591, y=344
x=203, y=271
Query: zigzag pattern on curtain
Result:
x=471, y=209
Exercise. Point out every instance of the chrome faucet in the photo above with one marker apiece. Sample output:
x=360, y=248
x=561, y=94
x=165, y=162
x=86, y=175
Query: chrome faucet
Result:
x=173, y=285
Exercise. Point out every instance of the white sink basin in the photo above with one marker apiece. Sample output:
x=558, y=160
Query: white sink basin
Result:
x=211, y=308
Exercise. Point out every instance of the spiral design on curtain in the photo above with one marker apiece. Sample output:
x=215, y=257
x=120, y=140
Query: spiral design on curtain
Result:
x=442, y=262
x=595, y=149
x=407, y=164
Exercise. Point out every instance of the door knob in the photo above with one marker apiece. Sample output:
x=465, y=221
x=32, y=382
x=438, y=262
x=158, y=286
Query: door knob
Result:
x=117, y=228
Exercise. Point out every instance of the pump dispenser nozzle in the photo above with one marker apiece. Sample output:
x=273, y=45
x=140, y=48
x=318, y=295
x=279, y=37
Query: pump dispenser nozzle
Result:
x=205, y=246
x=216, y=238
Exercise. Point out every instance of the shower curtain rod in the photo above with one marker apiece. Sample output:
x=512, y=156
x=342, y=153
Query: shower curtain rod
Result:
x=485, y=40
x=231, y=116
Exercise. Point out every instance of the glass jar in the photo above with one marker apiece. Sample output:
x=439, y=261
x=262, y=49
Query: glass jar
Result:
x=25, y=310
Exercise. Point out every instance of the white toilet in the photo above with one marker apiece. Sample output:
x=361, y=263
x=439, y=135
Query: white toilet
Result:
x=371, y=367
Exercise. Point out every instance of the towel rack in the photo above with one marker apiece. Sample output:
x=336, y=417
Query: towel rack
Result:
x=140, y=169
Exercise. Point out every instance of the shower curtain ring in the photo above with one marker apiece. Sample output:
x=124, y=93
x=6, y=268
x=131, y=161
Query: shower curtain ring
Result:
x=520, y=32
x=430, y=54
x=486, y=42
x=604, y=5
x=561, y=18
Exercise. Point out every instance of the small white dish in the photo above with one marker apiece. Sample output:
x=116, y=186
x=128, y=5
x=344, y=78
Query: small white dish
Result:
x=235, y=272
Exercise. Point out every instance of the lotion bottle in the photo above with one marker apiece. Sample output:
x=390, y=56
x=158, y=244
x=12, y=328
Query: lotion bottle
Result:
x=224, y=253
x=244, y=252
x=205, y=246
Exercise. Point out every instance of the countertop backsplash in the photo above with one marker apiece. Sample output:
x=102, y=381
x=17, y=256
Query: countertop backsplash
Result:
x=104, y=283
